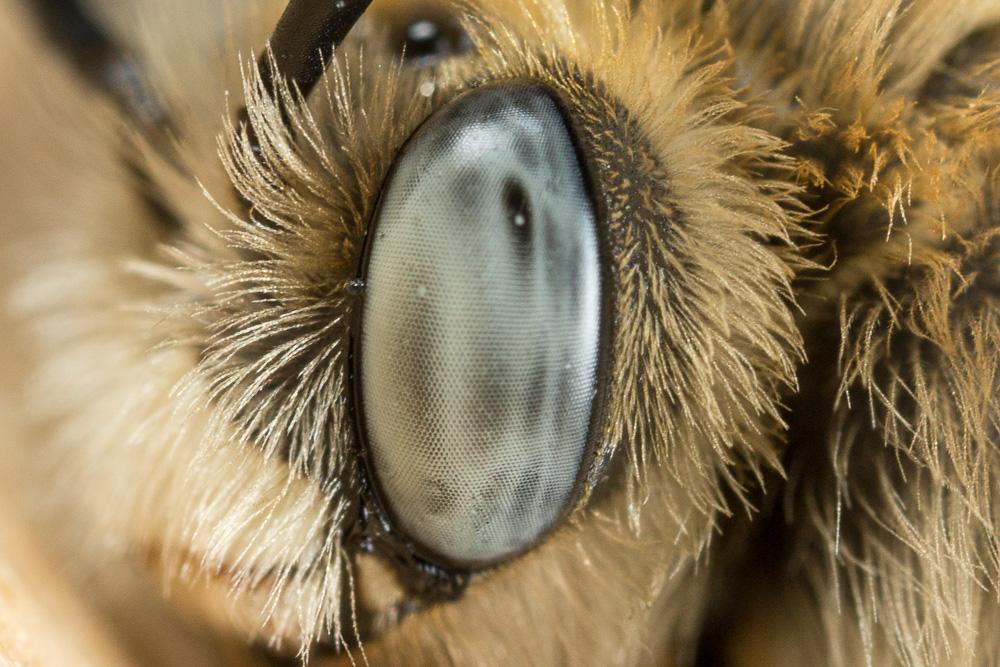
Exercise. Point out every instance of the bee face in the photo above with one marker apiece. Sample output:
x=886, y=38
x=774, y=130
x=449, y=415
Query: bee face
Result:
x=482, y=344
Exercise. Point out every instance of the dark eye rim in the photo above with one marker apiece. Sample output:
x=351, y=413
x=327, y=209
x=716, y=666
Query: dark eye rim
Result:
x=377, y=529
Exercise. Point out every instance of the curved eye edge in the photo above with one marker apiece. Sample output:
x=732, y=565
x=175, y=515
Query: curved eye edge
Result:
x=396, y=534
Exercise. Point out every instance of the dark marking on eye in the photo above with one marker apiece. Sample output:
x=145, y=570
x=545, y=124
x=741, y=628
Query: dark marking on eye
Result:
x=517, y=204
x=424, y=335
x=555, y=250
x=526, y=149
x=467, y=187
x=539, y=397
x=526, y=493
x=490, y=500
x=562, y=259
x=441, y=498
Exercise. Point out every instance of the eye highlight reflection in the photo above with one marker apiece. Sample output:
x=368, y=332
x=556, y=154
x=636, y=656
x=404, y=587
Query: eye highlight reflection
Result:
x=479, y=342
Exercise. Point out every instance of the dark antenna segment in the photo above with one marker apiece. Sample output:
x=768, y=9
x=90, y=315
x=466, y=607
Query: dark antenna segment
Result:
x=100, y=60
x=304, y=40
x=302, y=45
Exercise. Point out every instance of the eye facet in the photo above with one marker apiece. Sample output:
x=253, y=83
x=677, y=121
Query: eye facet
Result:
x=478, y=356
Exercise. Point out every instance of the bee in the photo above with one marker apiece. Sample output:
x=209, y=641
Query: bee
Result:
x=540, y=332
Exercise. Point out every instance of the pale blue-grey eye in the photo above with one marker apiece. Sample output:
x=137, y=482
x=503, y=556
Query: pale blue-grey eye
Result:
x=480, y=327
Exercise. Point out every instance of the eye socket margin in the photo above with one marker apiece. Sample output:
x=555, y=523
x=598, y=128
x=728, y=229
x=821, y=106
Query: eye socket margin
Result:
x=427, y=574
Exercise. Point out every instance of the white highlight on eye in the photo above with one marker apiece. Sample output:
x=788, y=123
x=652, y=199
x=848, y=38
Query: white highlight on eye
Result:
x=477, y=394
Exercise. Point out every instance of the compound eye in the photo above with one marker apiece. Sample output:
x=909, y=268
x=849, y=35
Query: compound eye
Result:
x=479, y=342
